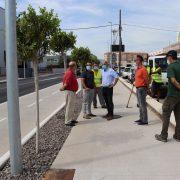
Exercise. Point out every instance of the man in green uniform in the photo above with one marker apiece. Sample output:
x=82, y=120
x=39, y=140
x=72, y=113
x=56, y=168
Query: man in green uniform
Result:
x=172, y=101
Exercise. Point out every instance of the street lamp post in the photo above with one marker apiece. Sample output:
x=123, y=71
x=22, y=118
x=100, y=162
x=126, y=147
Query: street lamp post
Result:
x=111, y=43
x=12, y=89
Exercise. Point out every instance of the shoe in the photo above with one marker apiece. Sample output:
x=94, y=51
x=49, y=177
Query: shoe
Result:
x=160, y=138
x=106, y=116
x=175, y=138
x=138, y=121
x=86, y=116
x=104, y=107
x=95, y=107
x=91, y=115
x=142, y=123
x=71, y=124
x=74, y=121
x=109, y=118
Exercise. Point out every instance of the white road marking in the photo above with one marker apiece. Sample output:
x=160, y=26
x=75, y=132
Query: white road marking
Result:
x=34, y=103
x=3, y=119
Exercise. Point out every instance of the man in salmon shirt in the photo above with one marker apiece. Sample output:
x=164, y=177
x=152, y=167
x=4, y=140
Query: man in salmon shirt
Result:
x=141, y=83
x=70, y=85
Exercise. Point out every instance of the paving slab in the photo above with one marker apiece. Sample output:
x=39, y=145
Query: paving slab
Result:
x=119, y=150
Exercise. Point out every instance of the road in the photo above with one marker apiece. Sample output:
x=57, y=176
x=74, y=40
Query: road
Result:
x=50, y=100
x=26, y=86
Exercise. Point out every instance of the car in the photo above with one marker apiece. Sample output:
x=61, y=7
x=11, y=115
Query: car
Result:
x=131, y=75
x=126, y=72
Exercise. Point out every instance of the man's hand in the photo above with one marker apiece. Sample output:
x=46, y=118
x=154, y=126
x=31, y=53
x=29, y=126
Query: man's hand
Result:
x=86, y=89
x=62, y=88
x=112, y=85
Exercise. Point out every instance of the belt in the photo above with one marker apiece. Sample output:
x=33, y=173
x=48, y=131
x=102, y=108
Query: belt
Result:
x=141, y=87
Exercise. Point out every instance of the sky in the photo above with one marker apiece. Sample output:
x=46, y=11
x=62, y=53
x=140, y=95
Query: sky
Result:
x=84, y=13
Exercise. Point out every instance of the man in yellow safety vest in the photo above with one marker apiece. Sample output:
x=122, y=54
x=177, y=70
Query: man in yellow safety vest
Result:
x=156, y=75
x=98, y=88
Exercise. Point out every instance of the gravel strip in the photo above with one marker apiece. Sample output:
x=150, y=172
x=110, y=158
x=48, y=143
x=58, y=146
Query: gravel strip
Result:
x=52, y=138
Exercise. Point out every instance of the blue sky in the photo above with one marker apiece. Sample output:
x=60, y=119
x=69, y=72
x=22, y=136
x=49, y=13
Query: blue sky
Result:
x=85, y=13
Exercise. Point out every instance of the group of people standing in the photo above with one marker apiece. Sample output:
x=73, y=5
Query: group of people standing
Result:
x=172, y=101
x=95, y=81
x=100, y=82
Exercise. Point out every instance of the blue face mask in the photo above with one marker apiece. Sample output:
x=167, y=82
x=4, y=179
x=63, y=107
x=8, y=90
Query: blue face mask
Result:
x=104, y=67
x=88, y=68
x=96, y=68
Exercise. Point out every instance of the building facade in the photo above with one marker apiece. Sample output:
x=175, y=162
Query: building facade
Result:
x=2, y=41
x=126, y=57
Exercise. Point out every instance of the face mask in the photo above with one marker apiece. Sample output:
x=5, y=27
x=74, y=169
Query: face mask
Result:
x=168, y=62
x=104, y=67
x=96, y=68
x=145, y=64
x=88, y=68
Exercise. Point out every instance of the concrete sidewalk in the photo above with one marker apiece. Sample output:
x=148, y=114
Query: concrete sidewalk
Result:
x=119, y=149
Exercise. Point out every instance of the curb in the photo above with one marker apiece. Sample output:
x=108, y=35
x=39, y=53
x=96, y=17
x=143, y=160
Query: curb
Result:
x=6, y=156
x=152, y=103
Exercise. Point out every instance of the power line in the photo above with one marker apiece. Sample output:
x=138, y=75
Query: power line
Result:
x=125, y=24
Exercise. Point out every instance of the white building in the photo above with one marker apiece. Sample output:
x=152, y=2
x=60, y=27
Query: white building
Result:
x=2, y=41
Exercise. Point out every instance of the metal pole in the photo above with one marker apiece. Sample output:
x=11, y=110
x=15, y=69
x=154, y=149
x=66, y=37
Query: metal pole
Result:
x=12, y=89
x=111, y=45
x=120, y=41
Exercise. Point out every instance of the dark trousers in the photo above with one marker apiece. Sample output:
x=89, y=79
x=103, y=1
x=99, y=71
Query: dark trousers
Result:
x=171, y=104
x=108, y=97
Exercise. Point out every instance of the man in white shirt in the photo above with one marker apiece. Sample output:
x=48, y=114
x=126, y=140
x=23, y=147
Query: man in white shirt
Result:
x=109, y=80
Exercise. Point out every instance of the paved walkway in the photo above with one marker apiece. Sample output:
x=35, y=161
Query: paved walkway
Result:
x=119, y=149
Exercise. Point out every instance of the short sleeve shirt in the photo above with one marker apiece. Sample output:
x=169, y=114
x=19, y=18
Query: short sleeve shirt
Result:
x=173, y=71
x=89, y=79
x=141, y=77
x=70, y=80
x=108, y=77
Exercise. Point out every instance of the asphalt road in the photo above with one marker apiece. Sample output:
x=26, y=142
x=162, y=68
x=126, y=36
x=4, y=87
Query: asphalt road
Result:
x=26, y=86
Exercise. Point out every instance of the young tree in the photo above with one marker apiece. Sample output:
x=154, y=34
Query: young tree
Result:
x=94, y=59
x=33, y=34
x=61, y=42
x=81, y=56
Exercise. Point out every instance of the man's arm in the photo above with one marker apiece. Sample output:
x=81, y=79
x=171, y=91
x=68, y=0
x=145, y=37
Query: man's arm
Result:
x=175, y=82
x=116, y=76
x=146, y=78
x=158, y=70
x=83, y=83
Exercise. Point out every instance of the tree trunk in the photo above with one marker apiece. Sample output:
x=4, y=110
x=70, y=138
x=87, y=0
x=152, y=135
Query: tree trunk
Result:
x=36, y=82
x=64, y=60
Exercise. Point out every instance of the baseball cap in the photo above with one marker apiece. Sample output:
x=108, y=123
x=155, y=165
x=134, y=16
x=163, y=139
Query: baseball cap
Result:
x=172, y=53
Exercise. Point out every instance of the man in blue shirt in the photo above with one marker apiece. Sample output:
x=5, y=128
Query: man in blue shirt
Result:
x=109, y=80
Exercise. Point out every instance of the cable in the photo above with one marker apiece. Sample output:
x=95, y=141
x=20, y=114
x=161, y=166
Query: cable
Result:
x=133, y=25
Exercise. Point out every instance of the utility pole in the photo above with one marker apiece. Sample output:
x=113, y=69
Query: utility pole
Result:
x=111, y=44
x=120, y=41
x=12, y=89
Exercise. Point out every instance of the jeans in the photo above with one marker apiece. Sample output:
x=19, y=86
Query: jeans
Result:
x=141, y=97
x=98, y=91
x=70, y=106
x=108, y=97
x=171, y=104
x=87, y=100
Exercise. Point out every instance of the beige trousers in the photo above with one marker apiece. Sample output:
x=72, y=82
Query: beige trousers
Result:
x=70, y=106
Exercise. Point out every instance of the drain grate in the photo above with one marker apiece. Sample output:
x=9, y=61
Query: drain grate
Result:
x=60, y=174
